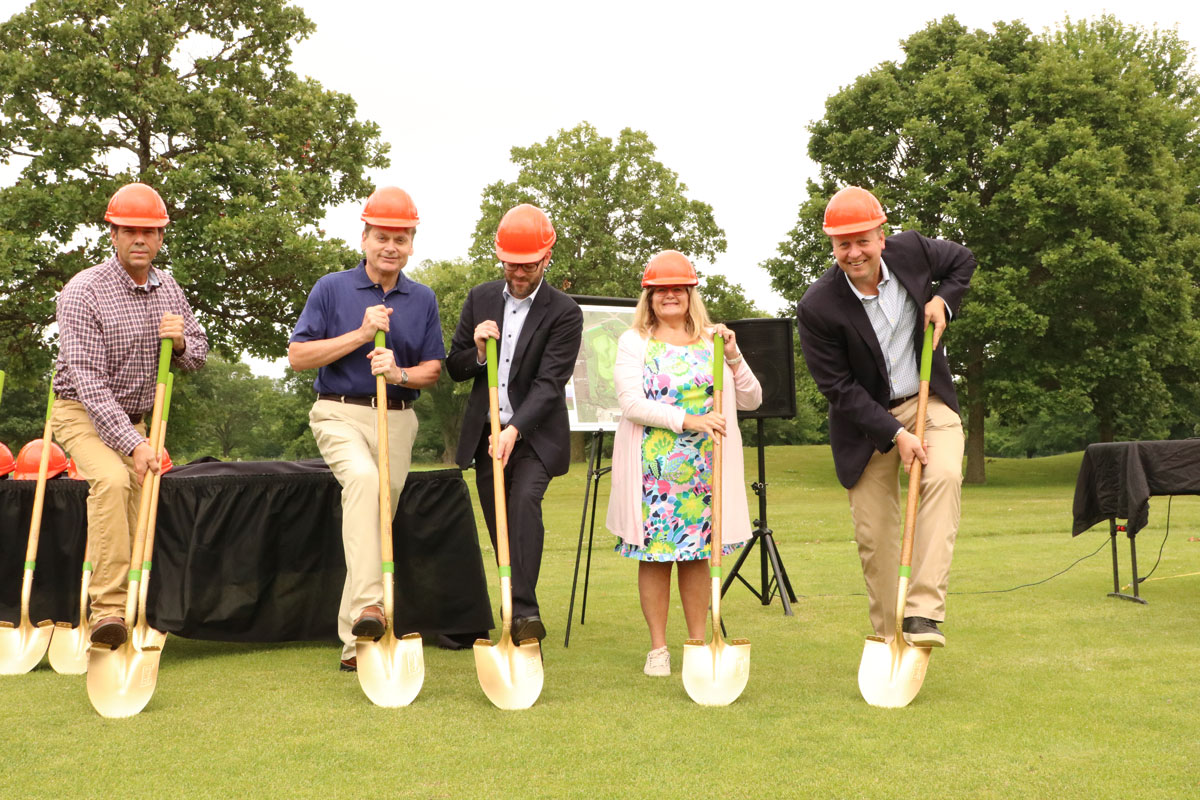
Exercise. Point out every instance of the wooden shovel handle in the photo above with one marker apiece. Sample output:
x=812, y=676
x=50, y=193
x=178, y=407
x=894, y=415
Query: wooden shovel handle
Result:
x=718, y=442
x=914, y=475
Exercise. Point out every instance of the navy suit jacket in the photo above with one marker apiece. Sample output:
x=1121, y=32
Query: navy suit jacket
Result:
x=844, y=356
x=542, y=364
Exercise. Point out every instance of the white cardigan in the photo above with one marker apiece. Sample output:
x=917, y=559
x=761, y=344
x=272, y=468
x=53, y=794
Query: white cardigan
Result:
x=741, y=391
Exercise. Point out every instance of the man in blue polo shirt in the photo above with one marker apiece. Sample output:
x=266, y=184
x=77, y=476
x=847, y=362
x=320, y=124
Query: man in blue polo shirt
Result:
x=335, y=335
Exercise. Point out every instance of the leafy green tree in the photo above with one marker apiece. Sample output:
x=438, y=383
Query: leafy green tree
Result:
x=613, y=206
x=440, y=407
x=1067, y=163
x=196, y=99
x=216, y=411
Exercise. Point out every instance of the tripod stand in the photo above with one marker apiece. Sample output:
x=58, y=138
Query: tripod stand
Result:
x=778, y=581
x=590, y=494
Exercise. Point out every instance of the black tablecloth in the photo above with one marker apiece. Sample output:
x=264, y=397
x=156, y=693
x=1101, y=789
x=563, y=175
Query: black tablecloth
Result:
x=1117, y=480
x=252, y=551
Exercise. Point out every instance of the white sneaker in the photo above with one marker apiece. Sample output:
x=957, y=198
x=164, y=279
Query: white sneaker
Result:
x=658, y=663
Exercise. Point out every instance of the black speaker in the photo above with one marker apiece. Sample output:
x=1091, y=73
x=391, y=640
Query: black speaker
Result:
x=767, y=346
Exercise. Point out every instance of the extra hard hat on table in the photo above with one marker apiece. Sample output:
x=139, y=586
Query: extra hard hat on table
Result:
x=525, y=235
x=30, y=458
x=853, y=210
x=138, y=206
x=391, y=207
x=7, y=462
x=669, y=268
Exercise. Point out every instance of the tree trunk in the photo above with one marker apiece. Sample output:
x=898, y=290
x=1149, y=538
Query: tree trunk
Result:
x=976, y=410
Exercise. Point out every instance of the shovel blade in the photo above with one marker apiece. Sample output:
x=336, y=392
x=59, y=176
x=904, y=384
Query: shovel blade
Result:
x=69, y=648
x=22, y=646
x=511, y=674
x=121, y=682
x=147, y=638
x=391, y=671
x=891, y=673
x=715, y=674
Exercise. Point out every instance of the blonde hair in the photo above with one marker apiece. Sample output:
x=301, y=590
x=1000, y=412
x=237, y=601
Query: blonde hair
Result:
x=696, y=324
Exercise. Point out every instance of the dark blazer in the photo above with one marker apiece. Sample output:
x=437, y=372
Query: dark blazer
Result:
x=543, y=362
x=843, y=353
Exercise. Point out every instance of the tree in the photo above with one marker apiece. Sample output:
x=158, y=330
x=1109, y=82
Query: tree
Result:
x=1067, y=163
x=613, y=207
x=246, y=154
x=441, y=406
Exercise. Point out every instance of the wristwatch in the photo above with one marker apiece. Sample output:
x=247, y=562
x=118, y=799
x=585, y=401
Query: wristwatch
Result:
x=403, y=376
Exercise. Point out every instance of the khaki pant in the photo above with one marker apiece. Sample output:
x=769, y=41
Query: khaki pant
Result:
x=346, y=436
x=112, y=505
x=878, y=524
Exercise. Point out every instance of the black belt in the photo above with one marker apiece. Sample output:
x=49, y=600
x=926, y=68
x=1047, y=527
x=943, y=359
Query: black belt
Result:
x=899, y=401
x=393, y=405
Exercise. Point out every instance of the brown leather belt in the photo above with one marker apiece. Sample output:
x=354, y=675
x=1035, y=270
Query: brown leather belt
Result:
x=899, y=401
x=393, y=405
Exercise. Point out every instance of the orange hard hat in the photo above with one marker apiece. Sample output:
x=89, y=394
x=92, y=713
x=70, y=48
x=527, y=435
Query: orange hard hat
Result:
x=525, y=235
x=391, y=207
x=669, y=268
x=30, y=458
x=166, y=462
x=853, y=210
x=7, y=462
x=138, y=206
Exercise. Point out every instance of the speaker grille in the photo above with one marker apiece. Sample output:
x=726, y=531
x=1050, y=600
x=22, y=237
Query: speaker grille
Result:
x=767, y=346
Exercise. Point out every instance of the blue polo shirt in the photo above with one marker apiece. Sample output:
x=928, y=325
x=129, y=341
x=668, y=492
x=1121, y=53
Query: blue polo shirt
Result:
x=336, y=306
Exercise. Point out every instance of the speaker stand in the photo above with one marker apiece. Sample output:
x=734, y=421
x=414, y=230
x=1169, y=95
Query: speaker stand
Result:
x=777, y=582
x=591, y=494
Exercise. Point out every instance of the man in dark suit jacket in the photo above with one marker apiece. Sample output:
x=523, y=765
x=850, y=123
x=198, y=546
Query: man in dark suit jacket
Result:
x=538, y=329
x=861, y=330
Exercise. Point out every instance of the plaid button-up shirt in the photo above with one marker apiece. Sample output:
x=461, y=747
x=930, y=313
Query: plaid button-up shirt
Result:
x=108, y=345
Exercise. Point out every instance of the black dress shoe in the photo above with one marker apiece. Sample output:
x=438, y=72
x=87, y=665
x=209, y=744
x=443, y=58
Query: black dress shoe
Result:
x=923, y=632
x=530, y=627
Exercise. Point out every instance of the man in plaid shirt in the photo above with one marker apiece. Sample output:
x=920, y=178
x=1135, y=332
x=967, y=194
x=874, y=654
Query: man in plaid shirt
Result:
x=111, y=318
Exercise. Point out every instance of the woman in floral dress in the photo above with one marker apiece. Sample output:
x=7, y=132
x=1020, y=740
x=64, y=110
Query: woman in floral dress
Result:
x=660, y=505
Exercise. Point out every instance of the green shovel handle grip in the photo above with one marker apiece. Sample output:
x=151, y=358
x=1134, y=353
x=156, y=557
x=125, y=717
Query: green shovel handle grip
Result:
x=927, y=354
x=718, y=363
x=167, y=396
x=492, y=367
x=50, y=399
x=164, y=360
x=1, y=383
x=380, y=339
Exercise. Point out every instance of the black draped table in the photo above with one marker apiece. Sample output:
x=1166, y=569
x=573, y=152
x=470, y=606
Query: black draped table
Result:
x=252, y=552
x=1116, y=481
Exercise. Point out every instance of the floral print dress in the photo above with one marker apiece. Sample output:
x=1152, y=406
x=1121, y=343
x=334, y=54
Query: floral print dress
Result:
x=677, y=467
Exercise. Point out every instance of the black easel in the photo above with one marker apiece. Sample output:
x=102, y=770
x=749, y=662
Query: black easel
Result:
x=590, y=493
x=778, y=580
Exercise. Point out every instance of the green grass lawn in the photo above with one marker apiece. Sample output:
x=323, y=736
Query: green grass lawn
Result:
x=1052, y=691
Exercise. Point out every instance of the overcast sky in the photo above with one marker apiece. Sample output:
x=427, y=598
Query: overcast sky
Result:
x=724, y=90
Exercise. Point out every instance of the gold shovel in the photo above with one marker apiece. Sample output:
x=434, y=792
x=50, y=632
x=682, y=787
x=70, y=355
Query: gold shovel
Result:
x=69, y=644
x=390, y=670
x=23, y=645
x=145, y=638
x=891, y=673
x=715, y=674
x=121, y=680
x=510, y=673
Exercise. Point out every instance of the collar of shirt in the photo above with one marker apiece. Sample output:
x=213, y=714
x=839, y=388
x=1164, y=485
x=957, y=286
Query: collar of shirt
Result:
x=113, y=265
x=884, y=277
x=363, y=281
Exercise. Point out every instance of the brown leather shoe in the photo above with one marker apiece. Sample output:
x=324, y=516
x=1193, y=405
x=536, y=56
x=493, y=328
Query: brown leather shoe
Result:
x=349, y=664
x=371, y=622
x=109, y=631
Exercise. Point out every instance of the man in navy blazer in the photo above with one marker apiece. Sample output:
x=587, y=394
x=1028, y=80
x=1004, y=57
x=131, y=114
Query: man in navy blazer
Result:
x=538, y=329
x=861, y=330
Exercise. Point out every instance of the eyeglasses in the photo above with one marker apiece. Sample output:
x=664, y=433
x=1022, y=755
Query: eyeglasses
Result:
x=528, y=269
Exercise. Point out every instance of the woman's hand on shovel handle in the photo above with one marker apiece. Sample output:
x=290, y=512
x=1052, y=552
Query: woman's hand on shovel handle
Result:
x=910, y=447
